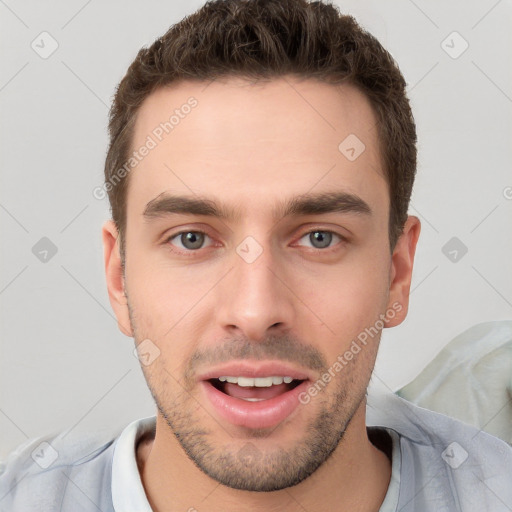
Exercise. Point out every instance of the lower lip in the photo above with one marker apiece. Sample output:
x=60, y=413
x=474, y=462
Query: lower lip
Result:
x=262, y=414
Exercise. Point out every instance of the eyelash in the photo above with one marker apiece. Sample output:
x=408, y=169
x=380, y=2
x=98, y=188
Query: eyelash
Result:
x=190, y=252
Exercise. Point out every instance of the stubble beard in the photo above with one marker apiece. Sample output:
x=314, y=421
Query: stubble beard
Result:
x=244, y=463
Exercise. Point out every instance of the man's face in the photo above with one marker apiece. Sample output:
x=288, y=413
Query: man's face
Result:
x=283, y=294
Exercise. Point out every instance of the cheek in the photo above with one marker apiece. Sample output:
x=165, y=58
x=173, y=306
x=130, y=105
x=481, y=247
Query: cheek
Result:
x=161, y=294
x=348, y=298
x=168, y=306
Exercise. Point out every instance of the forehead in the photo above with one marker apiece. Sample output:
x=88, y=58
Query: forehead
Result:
x=252, y=143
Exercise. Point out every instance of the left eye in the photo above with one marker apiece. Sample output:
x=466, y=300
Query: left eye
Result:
x=190, y=240
x=320, y=239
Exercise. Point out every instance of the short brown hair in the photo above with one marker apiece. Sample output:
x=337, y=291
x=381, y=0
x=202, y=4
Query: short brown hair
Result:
x=266, y=39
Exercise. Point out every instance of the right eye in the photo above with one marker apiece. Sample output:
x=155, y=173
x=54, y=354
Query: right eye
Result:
x=190, y=240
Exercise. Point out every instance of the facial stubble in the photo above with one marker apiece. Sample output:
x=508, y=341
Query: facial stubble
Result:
x=245, y=462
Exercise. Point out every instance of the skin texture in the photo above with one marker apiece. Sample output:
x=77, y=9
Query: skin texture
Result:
x=250, y=147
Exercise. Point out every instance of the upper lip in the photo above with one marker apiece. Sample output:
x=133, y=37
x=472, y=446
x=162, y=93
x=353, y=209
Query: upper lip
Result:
x=255, y=369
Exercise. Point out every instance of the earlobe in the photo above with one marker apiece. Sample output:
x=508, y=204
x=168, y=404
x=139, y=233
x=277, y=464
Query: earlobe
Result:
x=114, y=277
x=402, y=262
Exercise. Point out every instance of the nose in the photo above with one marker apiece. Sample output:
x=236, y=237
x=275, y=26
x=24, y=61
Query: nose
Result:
x=254, y=297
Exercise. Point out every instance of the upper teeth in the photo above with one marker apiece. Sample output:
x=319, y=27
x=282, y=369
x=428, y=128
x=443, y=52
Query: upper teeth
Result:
x=261, y=382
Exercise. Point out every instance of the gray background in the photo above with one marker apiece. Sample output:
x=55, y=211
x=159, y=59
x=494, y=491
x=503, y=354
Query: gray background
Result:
x=63, y=361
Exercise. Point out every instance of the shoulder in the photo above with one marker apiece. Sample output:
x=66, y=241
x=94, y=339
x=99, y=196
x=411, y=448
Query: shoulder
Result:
x=445, y=462
x=423, y=427
x=47, y=472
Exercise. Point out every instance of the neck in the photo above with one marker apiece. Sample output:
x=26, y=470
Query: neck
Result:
x=355, y=477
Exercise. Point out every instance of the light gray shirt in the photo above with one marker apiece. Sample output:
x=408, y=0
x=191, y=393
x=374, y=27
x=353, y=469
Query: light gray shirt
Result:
x=438, y=464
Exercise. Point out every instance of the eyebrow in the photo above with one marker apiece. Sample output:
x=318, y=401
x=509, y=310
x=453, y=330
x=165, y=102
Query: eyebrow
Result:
x=304, y=204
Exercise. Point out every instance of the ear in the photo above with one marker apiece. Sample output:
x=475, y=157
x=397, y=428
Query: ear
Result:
x=114, y=275
x=401, y=271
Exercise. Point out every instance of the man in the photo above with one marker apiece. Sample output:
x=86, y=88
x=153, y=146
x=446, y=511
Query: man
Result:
x=261, y=163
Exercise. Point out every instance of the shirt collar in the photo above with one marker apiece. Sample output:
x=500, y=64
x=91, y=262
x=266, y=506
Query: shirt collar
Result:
x=128, y=494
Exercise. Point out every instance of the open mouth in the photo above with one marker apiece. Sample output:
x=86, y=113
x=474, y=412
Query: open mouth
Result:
x=254, y=402
x=254, y=389
x=254, y=393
